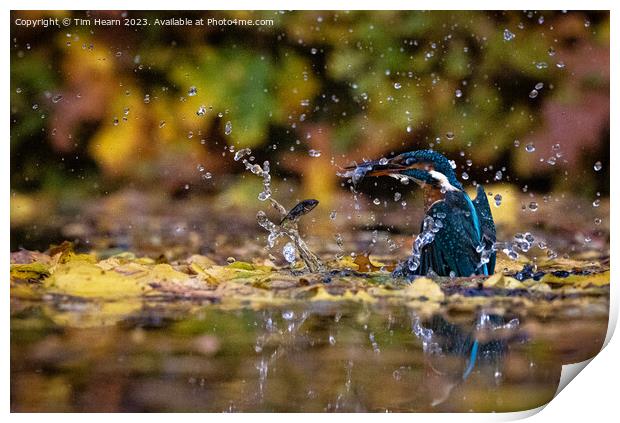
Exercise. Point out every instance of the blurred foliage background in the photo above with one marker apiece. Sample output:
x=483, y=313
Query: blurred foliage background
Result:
x=96, y=110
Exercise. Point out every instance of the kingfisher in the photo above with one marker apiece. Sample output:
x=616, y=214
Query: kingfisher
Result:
x=457, y=235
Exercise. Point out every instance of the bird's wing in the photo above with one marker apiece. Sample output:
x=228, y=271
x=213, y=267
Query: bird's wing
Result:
x=454, y=245
x=487, y=226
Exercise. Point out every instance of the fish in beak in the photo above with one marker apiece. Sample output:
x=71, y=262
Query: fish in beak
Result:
x=393, y=167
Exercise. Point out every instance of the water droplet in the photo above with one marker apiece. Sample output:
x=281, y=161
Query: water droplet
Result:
x=228, y=128
x=313, y=50
x=57, y=98
x=598, y=221
x=513, y=255
x=314, y=153
x=147, y=99
x=18, y=90
x=596, y=203
x=397, y=196
x=409, y=128
x=465, y=176
x=207, y=175
x=533, y=94
x=533, y=206
x=508, y=36
x=458, y=93
x=530, y=148
x=539, y=86
x=397, y=85
x=450, y=135
x=192, y=91
x=541, y=65
x=383, y=161
x=242, y=153
x=551, y=51
x=289, y=252
x=162, y=123
x=598, y=166
x=517, y=143
x=376, y=201
x=115, y=121
x=498, y=200
x=498, y=175
x=332, y=340
x=332, y=215
x=560, y=65
x=289, y=314
x=231, y=260
x=202, y=110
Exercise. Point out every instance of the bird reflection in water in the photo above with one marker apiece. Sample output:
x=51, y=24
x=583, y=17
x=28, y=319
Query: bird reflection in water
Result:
x=480, y=346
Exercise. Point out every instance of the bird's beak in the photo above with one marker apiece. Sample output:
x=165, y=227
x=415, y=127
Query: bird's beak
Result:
x=383, y=167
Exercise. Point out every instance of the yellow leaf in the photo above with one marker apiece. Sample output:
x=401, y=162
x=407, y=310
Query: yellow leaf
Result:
x=29, y=271
x=241, y=265
x=83, y=279
x=498, y=280
x=580, y=281
x=347, y=262
x=360, y=296
x=425, y=287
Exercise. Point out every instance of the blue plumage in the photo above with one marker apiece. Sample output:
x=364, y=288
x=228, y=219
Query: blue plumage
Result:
x=464, y=229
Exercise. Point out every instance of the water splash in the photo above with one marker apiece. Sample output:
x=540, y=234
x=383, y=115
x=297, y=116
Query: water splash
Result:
x=288, y=228
x=373, y=342
x=289, y=252
x=522, y=243
x=430, y=227
x=356, y=174
x=425, y=335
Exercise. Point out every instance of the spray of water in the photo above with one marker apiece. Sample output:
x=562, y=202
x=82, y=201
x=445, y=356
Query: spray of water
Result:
x=288, y=226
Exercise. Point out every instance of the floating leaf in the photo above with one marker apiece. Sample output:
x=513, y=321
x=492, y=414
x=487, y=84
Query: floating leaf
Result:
x=425, y=288
x=580, y=281
x=323, y=294
x=29, y=271
x=499, y=280
x=83, y=279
